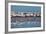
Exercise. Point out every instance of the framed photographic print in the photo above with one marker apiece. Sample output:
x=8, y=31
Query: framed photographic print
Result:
x=25, y=16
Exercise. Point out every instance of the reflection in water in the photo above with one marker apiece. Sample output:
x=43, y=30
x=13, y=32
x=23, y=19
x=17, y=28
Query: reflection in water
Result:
x=25, y=22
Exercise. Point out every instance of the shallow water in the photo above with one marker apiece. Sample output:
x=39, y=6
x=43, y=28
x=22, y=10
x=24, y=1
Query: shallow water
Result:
x=27, y=22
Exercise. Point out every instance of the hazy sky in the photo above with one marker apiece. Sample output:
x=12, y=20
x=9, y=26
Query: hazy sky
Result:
x=25, y=8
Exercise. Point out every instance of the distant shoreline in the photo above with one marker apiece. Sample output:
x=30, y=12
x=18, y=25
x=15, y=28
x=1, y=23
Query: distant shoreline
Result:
x=24, y=16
